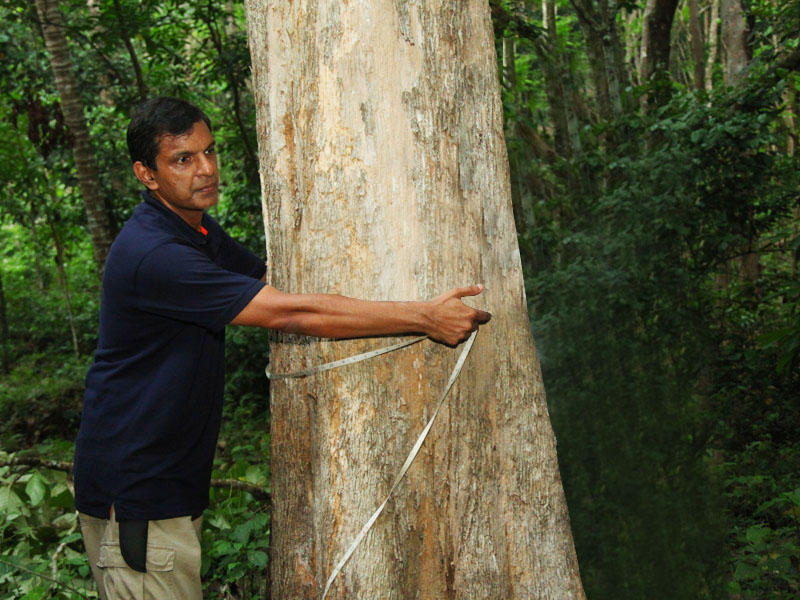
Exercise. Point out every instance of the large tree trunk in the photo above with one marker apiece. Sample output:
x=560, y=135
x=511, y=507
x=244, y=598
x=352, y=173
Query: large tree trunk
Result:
x=656, y=30
x=385, y=175
x=88, y=178
x=598, y=22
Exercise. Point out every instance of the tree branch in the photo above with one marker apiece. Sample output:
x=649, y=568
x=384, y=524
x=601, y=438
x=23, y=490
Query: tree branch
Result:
x=516, y=21
x=30, y=462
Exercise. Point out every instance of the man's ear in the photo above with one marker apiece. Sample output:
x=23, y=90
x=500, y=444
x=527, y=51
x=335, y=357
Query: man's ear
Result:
x=145, y=175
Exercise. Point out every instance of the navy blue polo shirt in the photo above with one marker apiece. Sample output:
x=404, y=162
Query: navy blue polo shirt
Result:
x=153, y=400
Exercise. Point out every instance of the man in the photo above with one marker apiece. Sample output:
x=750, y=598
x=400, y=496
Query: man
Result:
x=153, y=403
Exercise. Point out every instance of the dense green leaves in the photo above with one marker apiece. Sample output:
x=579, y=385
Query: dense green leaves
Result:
x=661, y=256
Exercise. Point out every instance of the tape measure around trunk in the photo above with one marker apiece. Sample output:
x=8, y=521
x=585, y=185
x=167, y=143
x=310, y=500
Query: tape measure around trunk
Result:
x=417, y=445
x=344, y=361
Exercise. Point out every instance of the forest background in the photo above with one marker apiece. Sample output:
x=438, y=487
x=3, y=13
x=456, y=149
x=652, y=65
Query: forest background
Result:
x=655, y=180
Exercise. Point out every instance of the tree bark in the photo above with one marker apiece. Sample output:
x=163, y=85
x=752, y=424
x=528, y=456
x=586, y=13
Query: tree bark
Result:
x=62, y=276
x=509, y=67
x=4, y=331
x=656, y=29
x=88, y=178
x=698, y=49
x=606, y=55
x=385, y=175
x=734, y=39
x=713, y=43
x=558, y=83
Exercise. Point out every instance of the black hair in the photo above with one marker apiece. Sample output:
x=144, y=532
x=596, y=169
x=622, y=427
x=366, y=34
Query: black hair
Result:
x=154, y=118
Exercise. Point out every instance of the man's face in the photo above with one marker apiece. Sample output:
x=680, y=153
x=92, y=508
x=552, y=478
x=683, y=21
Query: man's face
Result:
x=187, y=178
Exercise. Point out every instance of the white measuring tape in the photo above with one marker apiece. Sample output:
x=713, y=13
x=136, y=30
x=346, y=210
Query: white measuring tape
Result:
x=344, y=361
x=411, y=456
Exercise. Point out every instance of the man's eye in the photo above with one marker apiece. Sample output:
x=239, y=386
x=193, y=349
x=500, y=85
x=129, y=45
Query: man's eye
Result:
x=183, y=160
x=211, y=151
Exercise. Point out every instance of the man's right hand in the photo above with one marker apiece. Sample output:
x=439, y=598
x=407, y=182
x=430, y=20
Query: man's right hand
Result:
x=451, y=320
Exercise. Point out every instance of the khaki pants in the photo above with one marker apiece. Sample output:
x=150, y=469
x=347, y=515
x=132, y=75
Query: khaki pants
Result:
x=173, y=560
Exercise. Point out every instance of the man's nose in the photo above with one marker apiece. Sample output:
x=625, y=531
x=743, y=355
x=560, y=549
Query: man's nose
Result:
x=207, y=165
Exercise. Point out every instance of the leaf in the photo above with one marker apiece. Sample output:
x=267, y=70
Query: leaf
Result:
x=258, y=558
x=10, y=503
x=36, y=489
x=219, y=521
x=60, y=496
x=255, y=475
x=757, y=534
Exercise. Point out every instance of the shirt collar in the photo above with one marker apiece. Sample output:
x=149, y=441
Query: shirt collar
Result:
x=198, y=237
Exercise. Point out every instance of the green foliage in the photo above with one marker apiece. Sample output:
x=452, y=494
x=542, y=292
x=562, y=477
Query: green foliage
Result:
x=40, y=399
x=41, y=551
x=237, y=532
x=629, y=320
x=636, y=252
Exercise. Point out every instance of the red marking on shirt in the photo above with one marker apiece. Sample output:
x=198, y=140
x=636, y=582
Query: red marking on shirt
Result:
x=203, y=230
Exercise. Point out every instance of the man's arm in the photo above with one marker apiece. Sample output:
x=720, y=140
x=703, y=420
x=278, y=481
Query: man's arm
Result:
x=445, y=318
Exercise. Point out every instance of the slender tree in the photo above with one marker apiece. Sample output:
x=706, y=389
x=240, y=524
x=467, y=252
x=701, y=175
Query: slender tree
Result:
x=656, y=29
x=385, y=175
x=5, y=332
x=734, y=38
x=656, y=47
x=141, y=86
x=53, y=31
x=712, y=38
x=698, y=49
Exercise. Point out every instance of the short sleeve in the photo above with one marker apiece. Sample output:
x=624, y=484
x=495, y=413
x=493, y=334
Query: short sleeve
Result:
x=180, y=282
x=237, y=258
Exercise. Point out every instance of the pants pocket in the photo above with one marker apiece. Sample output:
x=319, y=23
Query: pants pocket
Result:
x=122, y=582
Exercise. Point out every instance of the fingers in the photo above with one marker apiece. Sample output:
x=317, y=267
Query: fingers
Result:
x=472, y=321
x=470, y=290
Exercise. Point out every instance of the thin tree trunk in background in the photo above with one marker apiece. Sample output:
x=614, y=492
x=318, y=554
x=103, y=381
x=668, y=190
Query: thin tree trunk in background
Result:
x=5, y=343
x=698, y=49
x=509, y=60
x=126, y=39
x=656, y=43
x=37, y=261
x=385, y=175
x=790, y=118
x=554, y=73
x=62, y=276
x=633, y=44
x=3, y=312
x=234, y=83
x=88, y=177
x=734, y=40
x=713, y=43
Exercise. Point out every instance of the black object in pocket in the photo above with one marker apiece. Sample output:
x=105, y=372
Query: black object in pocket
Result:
x=133, y=544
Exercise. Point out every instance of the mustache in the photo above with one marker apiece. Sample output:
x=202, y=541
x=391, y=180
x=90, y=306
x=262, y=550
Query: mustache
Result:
x=209, y=183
